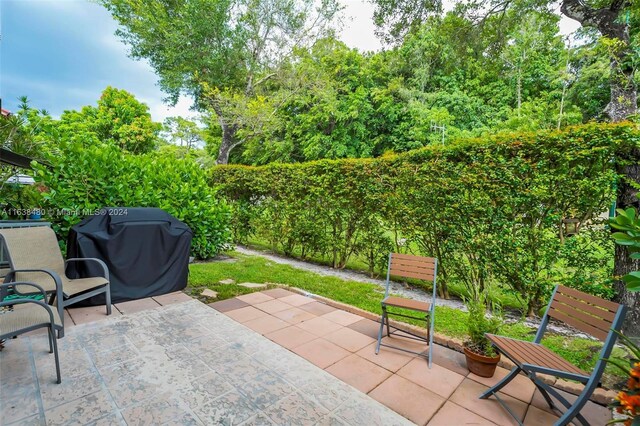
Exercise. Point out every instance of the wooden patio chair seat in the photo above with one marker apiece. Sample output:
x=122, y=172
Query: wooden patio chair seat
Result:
x=534, y=354
x=401, y=302
x=589, y=314
x=417, y=267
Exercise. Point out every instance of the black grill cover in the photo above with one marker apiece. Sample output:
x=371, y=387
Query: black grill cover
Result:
x=145, y=249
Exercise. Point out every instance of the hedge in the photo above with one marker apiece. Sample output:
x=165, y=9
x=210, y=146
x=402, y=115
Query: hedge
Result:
x=491, y=209
x=83, y=179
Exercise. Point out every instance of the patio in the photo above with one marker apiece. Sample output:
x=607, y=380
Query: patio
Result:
x=273, y=357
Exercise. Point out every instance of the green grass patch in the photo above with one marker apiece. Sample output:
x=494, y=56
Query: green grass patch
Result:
x=449, y=321
x=501, y=296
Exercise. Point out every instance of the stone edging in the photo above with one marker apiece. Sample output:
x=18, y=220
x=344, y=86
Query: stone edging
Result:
x=600, y=395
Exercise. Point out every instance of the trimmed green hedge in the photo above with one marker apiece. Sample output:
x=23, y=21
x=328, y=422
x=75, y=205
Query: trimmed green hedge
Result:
x=84, y=179
x=490, y=209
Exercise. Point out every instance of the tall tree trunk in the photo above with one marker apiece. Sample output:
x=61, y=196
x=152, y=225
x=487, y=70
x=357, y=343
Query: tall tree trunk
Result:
x=228, y=134
x=627, y=197
x=228, y=143
x=623, y=103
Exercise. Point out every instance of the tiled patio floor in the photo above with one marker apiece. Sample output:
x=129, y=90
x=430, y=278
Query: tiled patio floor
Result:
x=343, y=344
x=185, y=363
x=182, y=363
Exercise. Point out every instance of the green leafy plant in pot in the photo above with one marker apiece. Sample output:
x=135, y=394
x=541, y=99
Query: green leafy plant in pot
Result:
x=482, y=358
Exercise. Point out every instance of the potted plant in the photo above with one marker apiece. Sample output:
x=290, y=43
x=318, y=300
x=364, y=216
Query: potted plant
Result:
x=482, y=358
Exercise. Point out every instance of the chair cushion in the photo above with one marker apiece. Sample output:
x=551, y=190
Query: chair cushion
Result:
x=400, y=302
x=529, y=353
x=26, y=315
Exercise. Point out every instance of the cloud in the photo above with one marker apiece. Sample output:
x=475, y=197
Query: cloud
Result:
x=160, y=111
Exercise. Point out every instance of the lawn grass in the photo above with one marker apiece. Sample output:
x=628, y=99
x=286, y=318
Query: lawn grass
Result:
x=503, y=298
x=448, y=321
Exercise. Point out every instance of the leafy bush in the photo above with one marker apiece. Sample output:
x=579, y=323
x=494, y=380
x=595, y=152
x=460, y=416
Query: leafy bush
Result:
x=489, y=209
x=86, y=178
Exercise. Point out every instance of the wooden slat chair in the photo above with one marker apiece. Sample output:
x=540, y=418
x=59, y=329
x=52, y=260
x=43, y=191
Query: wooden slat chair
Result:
x=597, y=317
x=409, y=266
x=34, y=256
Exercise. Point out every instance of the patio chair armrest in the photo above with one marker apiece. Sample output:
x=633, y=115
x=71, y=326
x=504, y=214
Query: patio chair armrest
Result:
x=12, y=273
x=35, y=302
x=6, y=286
x=56, y=278
x=105, y=270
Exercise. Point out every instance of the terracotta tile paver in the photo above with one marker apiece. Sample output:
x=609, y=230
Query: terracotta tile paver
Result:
x=359, y=373
x=68, y=321
x=319, y=326
x=91, y=314
x=171, y=298
x=297, y=300
x=272, y=306
x=453, y=414
x=450, y=359
x=267, y=324
x=254, y=298
x=136, y=305
x=391, y=359
x=405, y=397
x=278, y=293
x=404, y=343
x=520, y=387
x=321, y=352
x=538, y=417
x=245, y=314
x=467, y=396
x=294, y=315
x=349, y=339
x=290, y=337
x=594, y=413
x=228, y=305
x=437, y=379
x=317, y=308
x=366, y=327
x=342, y=317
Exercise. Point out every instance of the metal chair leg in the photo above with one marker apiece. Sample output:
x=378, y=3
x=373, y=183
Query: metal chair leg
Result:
x=55, y=353
x=51, y=334
x=386, y=315
x=380, y=331
x=108, y=297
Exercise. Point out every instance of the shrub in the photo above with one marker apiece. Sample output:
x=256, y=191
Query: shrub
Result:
x=489, y=209
x=84, y=179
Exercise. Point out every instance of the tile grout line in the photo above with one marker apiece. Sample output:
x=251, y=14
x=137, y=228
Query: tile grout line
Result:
x=103, y=386
x=34, y=375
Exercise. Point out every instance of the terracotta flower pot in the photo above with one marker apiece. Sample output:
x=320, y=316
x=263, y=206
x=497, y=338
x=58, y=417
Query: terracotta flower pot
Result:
x=483, y=366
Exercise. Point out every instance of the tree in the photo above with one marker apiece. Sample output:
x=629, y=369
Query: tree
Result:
x=613, y=21
x=395, y=18
x=216, y=50
x=119, y=119
x=183, y=132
